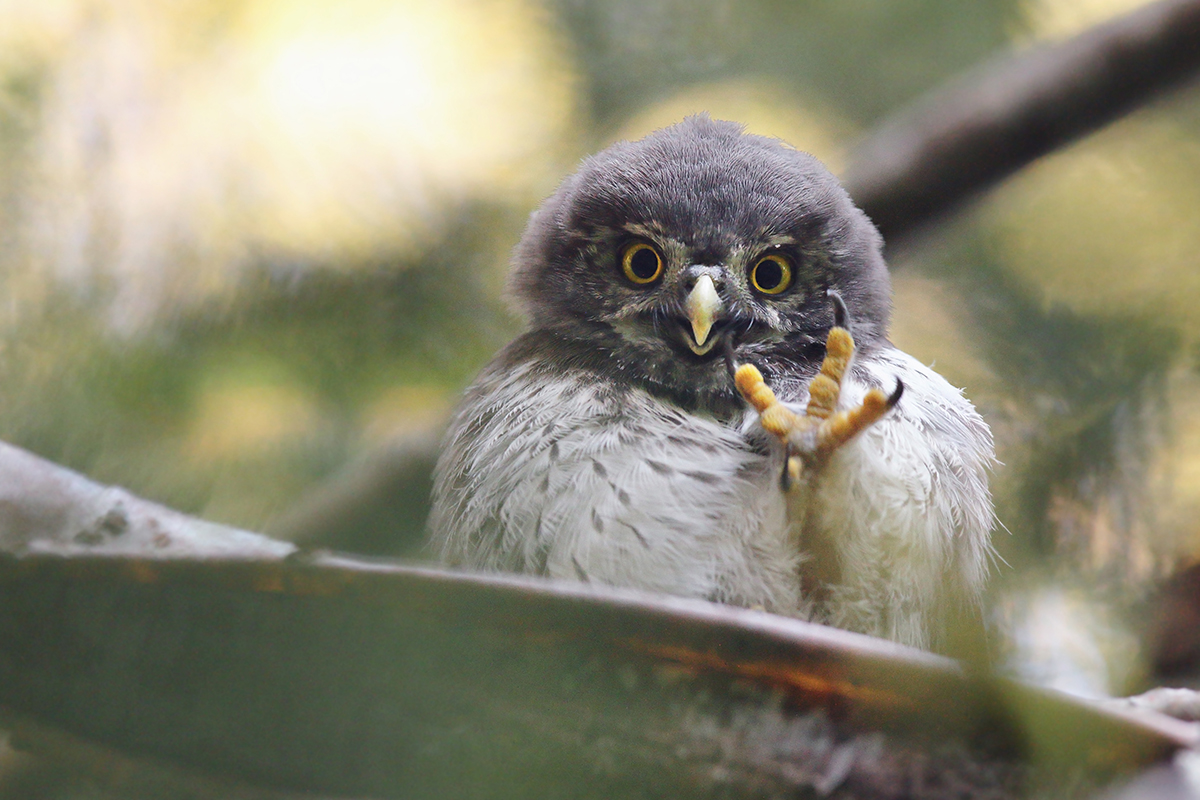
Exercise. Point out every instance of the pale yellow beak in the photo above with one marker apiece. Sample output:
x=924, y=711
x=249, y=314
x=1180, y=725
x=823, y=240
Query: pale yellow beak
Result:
x=702, y=307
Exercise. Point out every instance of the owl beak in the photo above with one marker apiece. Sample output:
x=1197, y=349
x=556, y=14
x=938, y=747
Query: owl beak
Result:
x=702, y=307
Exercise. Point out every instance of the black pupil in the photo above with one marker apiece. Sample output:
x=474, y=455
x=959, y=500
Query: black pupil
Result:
x=768, y=274
x=644, y=264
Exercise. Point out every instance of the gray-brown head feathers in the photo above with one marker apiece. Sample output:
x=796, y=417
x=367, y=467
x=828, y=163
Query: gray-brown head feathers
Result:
x=713, y=195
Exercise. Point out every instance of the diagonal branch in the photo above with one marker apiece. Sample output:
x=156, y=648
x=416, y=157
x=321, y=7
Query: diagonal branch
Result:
x=961, y=139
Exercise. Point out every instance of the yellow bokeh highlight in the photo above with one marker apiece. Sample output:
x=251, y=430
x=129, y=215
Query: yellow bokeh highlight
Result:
x=407, y=409
x=239, y=419
x=180, y=142
x=387, y=107
x=765, y=109
x=1061, y=19
x=1109, y=226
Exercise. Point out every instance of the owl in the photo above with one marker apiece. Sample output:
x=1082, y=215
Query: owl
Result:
x=610, y=443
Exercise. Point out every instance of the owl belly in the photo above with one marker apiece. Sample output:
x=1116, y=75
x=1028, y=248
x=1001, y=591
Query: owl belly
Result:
x=564, y=478
x=684, y=509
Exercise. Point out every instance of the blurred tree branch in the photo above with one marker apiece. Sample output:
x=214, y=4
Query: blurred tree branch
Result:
x=214, y=655
x=957, y=141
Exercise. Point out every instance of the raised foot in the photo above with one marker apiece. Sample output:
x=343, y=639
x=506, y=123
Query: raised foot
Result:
x=811, y=437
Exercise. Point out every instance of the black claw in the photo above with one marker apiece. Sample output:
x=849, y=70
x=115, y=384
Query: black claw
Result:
x=896, y=394
x=730, y=361
x=785, y=480
x=841, y=315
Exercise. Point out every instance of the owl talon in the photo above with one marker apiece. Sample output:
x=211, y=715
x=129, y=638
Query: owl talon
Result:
x=730, y=360
x=840, y=312
x=812, y=437
x=843, y=426
x=793, y=467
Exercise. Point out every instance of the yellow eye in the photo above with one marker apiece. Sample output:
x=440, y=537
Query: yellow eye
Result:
x=771, y=274
x=642, y=263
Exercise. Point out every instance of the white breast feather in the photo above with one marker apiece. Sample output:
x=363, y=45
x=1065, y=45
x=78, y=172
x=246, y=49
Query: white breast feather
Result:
x=561, y=476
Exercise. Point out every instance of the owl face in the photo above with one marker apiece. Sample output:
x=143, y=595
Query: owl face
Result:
x=660, y=255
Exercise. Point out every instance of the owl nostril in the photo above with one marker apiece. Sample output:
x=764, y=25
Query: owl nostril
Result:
x=695, y=273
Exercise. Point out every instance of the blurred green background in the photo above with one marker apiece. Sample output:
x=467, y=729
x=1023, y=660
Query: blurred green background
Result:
x=244, y=244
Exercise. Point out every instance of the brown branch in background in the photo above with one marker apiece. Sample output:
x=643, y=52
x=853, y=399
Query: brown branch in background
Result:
x=961, y=139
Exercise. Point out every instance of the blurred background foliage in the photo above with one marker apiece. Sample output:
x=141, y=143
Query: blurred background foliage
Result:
x=244, y=243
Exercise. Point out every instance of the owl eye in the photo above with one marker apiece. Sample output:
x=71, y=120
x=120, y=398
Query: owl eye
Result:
x=771, y=274
x=641, y=263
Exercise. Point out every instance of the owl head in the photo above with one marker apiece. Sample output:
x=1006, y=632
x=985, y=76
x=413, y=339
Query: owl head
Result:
x=660, y=255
